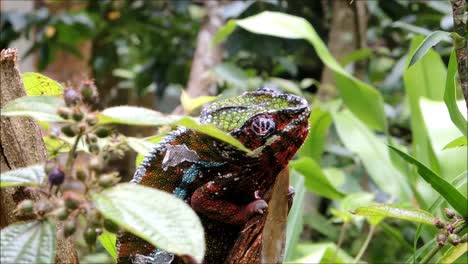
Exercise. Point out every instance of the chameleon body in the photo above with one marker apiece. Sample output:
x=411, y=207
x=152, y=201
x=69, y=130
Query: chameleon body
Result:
x=222, y=184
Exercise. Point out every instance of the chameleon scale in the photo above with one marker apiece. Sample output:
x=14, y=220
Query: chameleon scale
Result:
x=220, y=182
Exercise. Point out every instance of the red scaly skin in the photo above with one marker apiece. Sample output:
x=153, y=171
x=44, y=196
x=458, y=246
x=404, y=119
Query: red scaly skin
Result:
x=222, y=184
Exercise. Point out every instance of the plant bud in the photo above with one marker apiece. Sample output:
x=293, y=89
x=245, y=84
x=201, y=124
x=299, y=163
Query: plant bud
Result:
x=56, y=176
x=91, y=138
x=110, y=226
x=68, y=131
x=450, y=213
x=62, y=214
x=42, y=207
x=107, y=180
x=102, y=132
x=81, y=175
x=71, y=96
x=69, y=228
x=64, y=112
x=88, y=90
x=454, y=239
x=441, y=238
x=438, y=223
x=90, y=236
x=72, y=200
x=91, y=119
x=25, y=207
x=94, y=148
x=77, y=115
x=82, y=128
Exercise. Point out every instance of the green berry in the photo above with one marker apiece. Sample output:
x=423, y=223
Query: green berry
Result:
x=94, y=149
x=90, y=236
x=62, y=214
x=110, y=226
x=81, y=174
x=69, y=228
x=106, y=180
x=102, y=132
x=71, y=199
x=25, y=207
x=64, y=112
x=68, y=131
x=77, y=115
x=450, y=213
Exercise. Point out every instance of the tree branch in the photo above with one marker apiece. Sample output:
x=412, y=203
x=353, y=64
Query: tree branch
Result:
x=460, y=16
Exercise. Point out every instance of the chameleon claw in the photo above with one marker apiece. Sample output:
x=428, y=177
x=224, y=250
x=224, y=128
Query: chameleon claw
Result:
x=257, y=196
x=257, y=206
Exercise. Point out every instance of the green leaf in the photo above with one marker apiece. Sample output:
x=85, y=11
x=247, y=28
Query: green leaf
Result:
x=41, y=108
x=431, y=40
x=224, y=31
x=212, y=131
x=444, y=188
x=231, y=74
x=156, y=216
x=153, y=140
x=27, y=176
x=189, y=104
x=108, y=240
x=132, y=115
x=391, y=210
x=315, y=180
x=456, y=143
x=351, y=202
x=314, y=145
x=373, y=153
x=38, y=84
x=454, y=253
x=139, y=145
x=450, y=96
x=55, y=146
x=30, y=242
x=294, y=224
x=321, y=253
x=319, y=223
x=357, y=55
x=362, y=99
x=423, y=79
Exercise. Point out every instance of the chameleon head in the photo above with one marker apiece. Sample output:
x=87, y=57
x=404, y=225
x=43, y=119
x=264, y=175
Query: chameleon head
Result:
x=267, y=122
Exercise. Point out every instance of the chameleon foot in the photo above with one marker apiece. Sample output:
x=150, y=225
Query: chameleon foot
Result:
x=257, y=206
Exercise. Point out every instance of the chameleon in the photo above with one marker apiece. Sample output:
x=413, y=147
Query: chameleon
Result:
x=221, y=183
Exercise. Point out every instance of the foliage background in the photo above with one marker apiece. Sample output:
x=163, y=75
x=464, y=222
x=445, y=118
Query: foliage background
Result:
x=140, y=52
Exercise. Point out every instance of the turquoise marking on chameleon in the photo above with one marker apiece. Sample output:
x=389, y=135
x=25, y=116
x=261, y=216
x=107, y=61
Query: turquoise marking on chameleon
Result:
x=189, y=176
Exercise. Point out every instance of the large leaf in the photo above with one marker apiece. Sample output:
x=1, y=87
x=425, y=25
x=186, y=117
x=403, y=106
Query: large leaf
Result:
x=38, y=84
x=41, y=108
x=390, y=210
x=423, y=79
x=212, y=131
x=156, y=216
x=456, y=143
x=108, y=240
x=313, y=146
x=294, y=226
x=362, y=99
x=450, y=96
x=373, y=153
x=27, y=176
x=315, y=179
x=431, y=40
x=444, y=188
x=140, y=145
x=321, y=253
x=30, y=242
x=132, y=115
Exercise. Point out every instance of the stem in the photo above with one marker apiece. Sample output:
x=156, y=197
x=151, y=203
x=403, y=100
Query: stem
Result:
x=459, y=228
x=430, y=254
x=365, y=245
x=340, y=240
x=71, y=155
x=459, y=9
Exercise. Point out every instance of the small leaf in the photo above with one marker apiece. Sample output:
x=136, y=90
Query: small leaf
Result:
x=450, y=96
x=315, y=180
x=27, y=176
x=38, y=84
x=391, y=210
x=295, y=216
x=156, y=216
x=108, y=240
x=456, y=143
x=41, y=108
x=132, y=115
x=431, y=40
x=224, y=31
x=139, y=145
x=444, y=188
x=30, y=242
x=212, y=131
x=189, y=104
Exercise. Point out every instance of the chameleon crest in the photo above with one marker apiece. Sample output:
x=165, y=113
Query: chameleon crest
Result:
x=221, y=183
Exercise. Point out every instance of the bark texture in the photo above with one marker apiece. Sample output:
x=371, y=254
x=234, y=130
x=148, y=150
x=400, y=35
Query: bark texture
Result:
x=21, y=145
x=460, y=16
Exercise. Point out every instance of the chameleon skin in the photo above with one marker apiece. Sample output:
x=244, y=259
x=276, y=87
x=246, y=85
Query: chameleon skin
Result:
x=221, y=183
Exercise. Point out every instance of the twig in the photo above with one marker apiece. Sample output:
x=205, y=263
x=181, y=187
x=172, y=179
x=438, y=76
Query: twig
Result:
x=71, y=155
x=460, y=14
x=365, y=244
x=340, y=240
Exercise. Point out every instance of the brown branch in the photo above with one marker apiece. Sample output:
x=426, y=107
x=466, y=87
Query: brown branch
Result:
x=21, y=145
x=460, y=15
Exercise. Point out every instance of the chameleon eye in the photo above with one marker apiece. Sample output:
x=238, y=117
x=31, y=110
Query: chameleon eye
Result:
x=263, y=126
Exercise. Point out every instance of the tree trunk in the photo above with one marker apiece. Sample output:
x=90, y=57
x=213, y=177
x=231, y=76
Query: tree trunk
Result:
x=460, y=13
x=21, y=145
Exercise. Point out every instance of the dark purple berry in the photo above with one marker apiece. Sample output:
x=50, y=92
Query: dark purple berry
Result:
x=71, y=96
x=56, y=176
